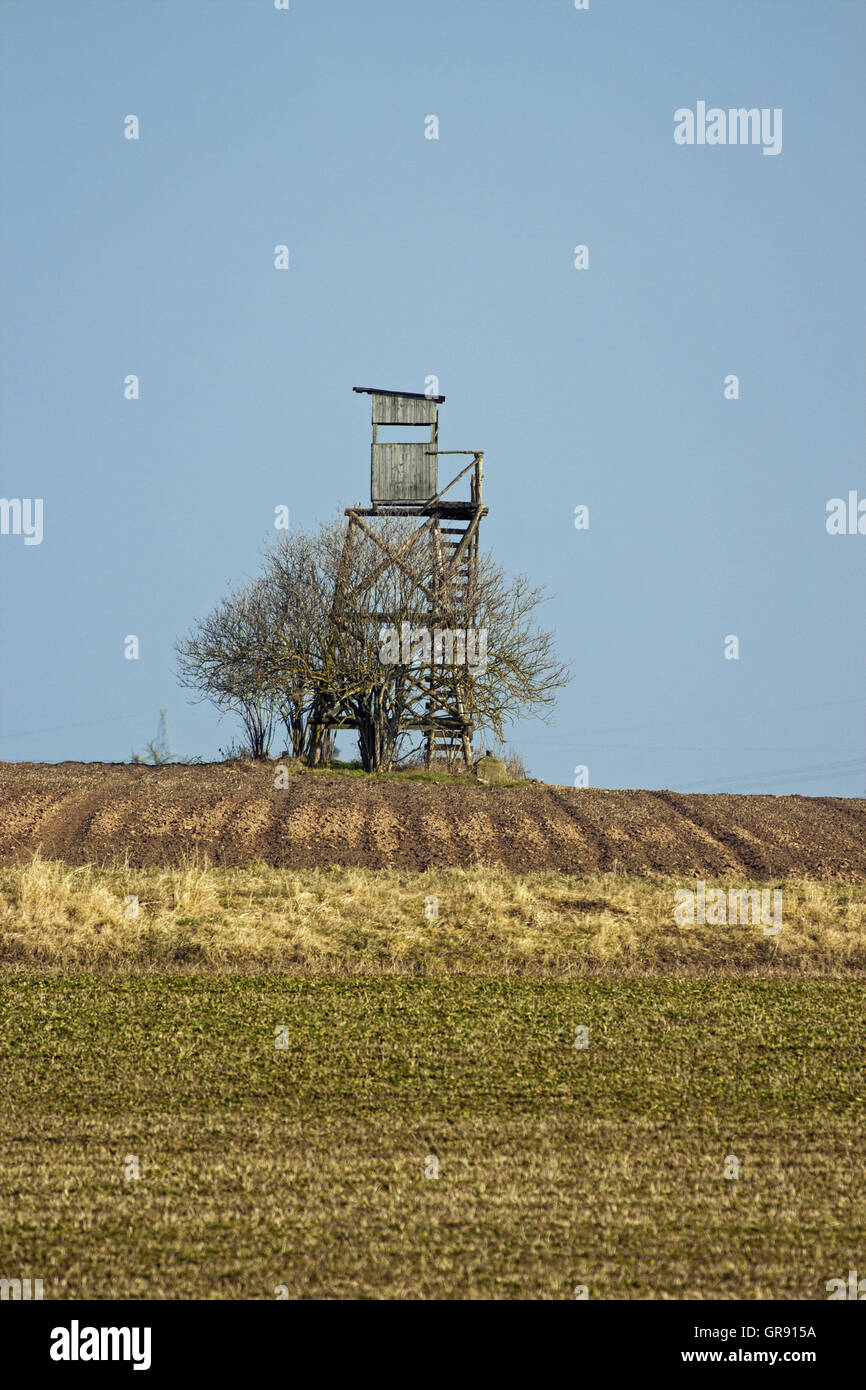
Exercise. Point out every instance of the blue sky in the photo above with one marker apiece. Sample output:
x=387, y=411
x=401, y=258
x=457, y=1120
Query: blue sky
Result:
x=453, y=257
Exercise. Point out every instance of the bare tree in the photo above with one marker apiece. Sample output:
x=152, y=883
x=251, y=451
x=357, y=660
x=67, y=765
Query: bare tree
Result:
x=214, y=661
x=305, y=643
x=295, y=607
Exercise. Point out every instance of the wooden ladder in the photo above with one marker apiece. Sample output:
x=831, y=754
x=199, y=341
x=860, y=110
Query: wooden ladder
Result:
x=455, y=612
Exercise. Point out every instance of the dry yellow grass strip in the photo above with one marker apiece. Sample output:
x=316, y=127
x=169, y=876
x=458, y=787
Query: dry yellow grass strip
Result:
x=440, y=922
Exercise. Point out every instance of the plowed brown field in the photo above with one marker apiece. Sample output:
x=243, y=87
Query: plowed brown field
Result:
x=99, y=813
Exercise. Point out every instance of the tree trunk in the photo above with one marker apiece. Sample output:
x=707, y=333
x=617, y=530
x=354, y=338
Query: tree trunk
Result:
x=377, y=738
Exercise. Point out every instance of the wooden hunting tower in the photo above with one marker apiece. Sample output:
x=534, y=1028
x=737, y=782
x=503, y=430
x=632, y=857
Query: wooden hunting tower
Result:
x=442, y=553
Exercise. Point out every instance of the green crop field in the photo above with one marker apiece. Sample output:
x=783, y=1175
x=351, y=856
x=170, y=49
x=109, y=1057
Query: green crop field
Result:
x=286, y=1132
